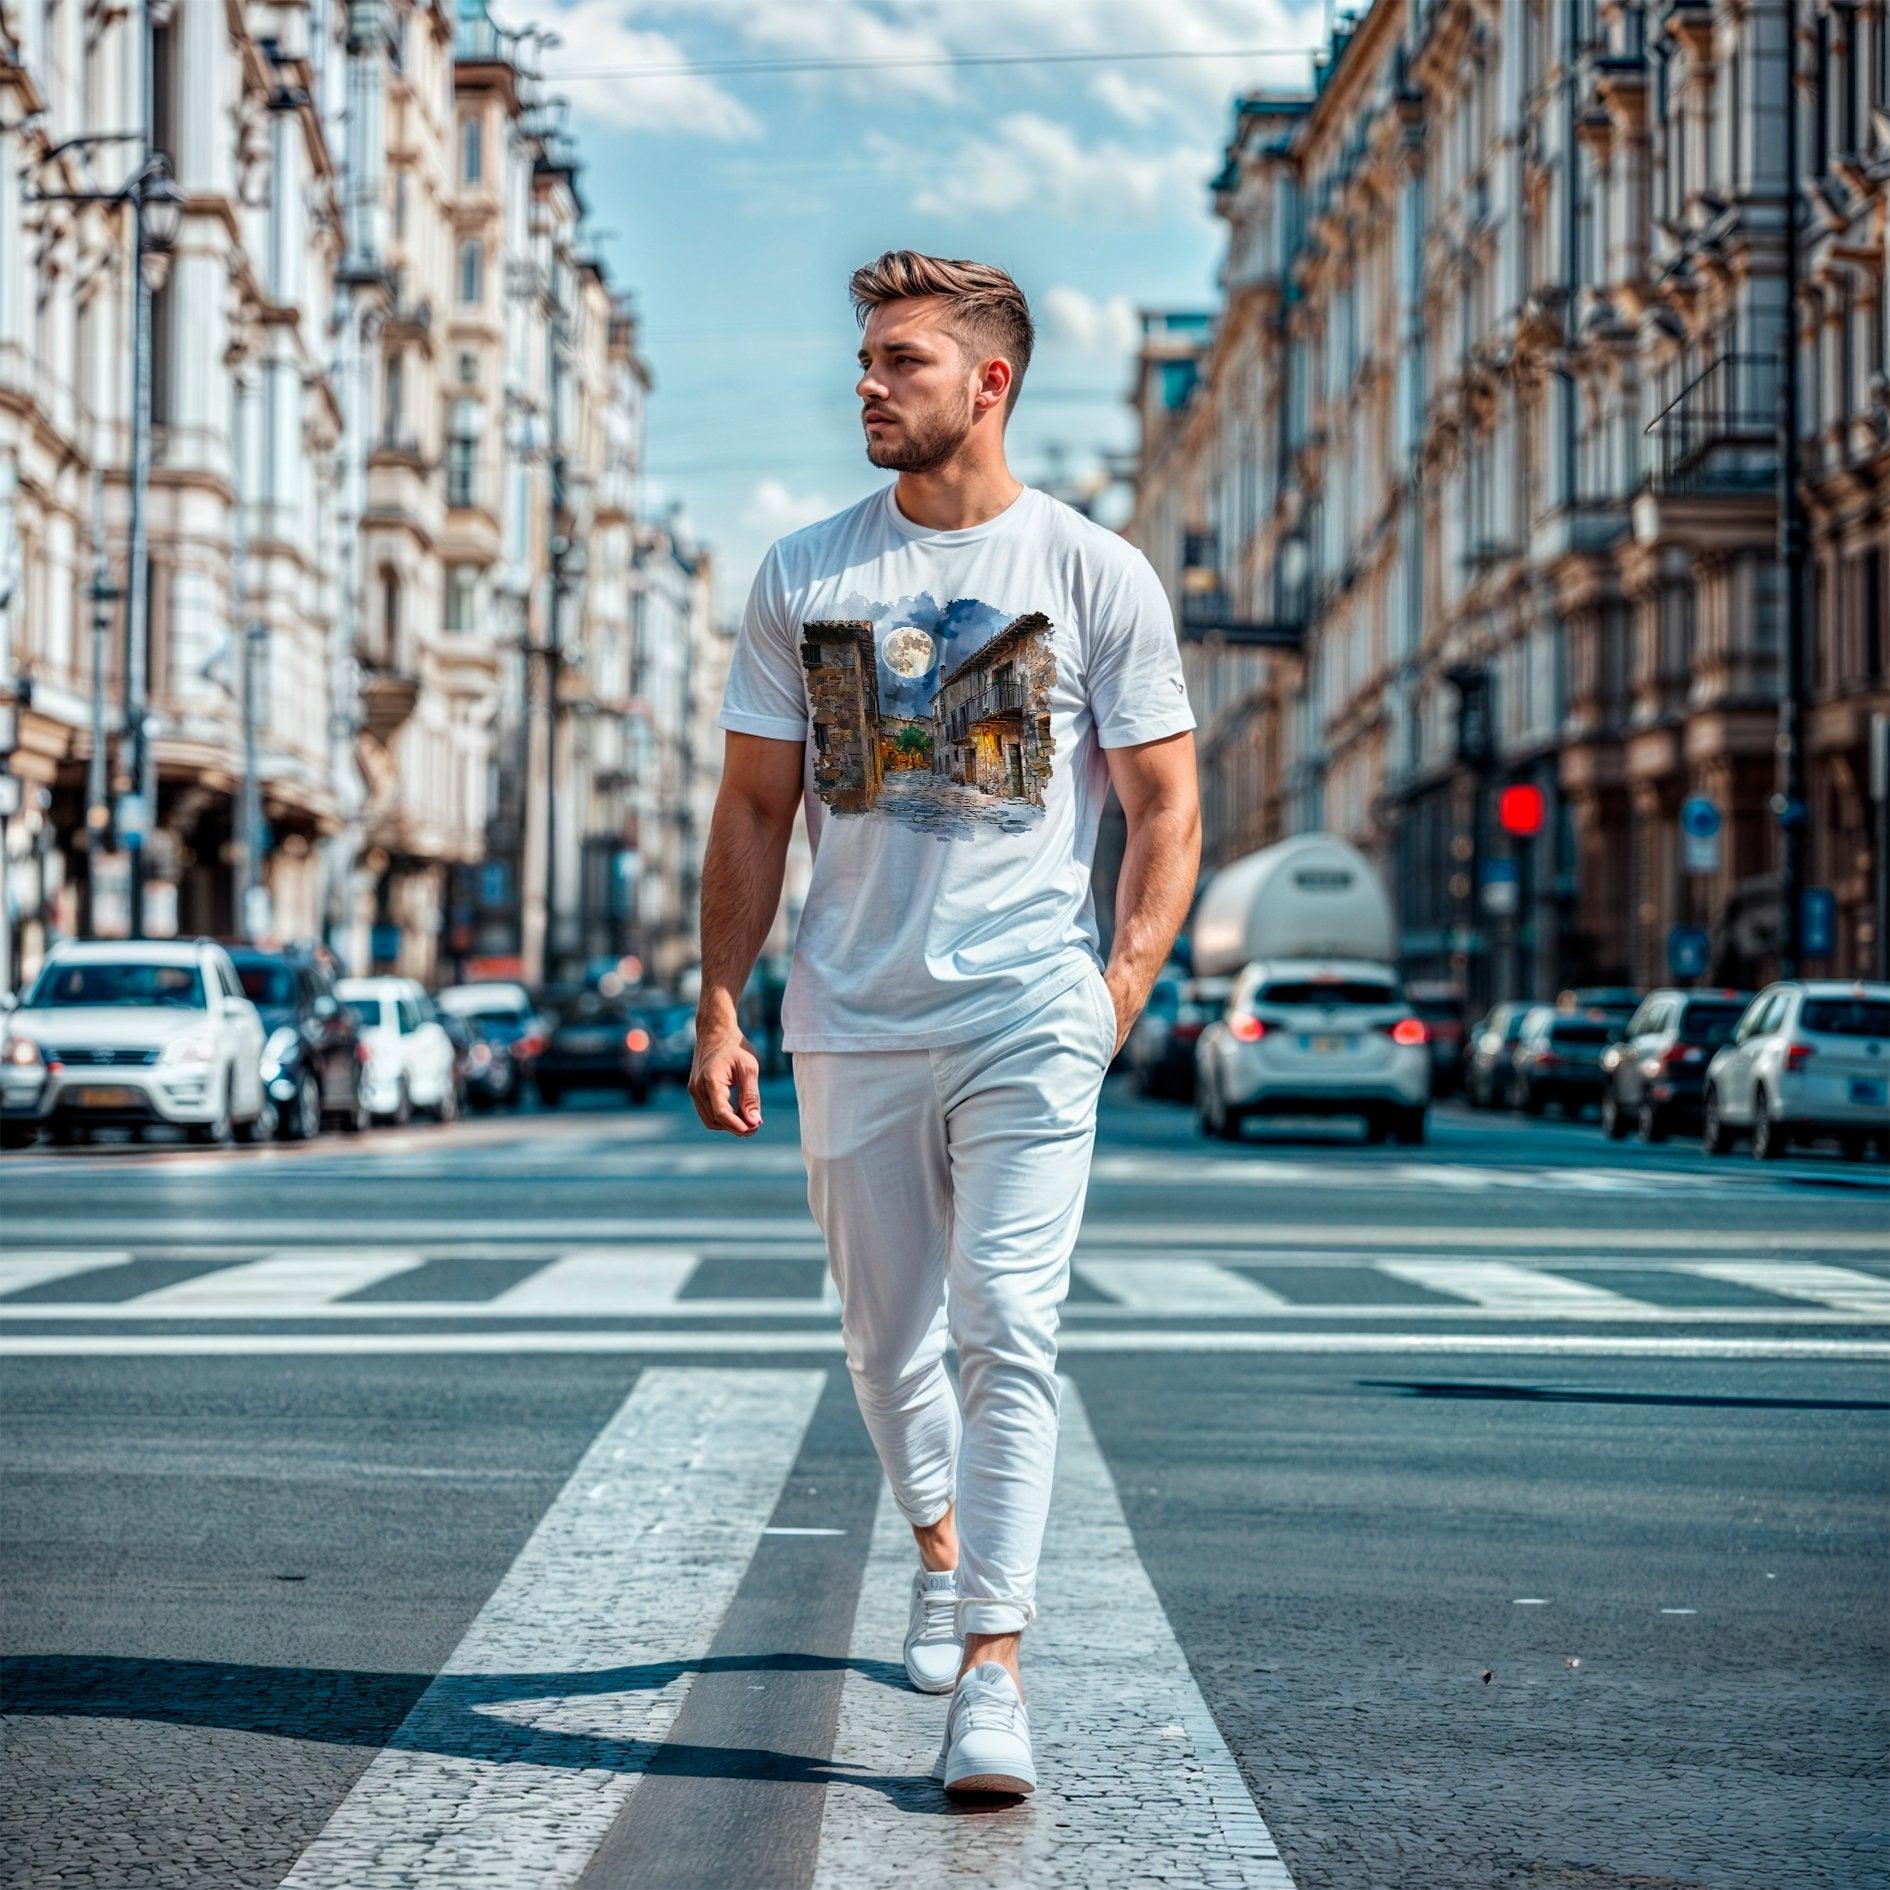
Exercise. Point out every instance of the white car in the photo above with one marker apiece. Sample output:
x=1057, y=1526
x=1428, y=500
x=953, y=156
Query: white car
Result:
x=1809, y=1058
x=129, y=1034
x=1325, y=1037
x=411, y=1061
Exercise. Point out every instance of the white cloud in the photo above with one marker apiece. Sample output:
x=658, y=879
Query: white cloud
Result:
x=1084, y=325
x=599, y=39
x=774, y=508
x=1134, y=102
x=1026, y=159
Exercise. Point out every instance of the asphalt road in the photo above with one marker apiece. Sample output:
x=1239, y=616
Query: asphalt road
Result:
x=486, y=1506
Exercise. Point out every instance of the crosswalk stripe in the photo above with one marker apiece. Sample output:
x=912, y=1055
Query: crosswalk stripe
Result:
x=17, y=1275
x=512, y=1765
x=1839, y=1287
x=302, y=1276
x=1135, y=1780
x=1499, y=1283
x=1179, y=1286
x=601, y=1280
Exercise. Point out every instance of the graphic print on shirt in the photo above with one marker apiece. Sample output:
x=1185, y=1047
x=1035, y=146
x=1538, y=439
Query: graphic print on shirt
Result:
x=934, y=715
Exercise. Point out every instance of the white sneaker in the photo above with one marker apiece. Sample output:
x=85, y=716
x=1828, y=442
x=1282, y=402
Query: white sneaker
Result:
x=987, y=1736
x=933, y=1646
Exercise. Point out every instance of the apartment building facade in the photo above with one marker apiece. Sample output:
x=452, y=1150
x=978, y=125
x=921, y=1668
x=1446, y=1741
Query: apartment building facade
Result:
x=1475, y=483
x=396, y=435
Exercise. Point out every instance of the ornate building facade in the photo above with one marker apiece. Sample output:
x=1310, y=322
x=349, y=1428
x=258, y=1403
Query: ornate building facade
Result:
x=1474, y=481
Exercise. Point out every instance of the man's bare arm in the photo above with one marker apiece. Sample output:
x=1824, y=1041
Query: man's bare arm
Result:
x=1160, y=795
x=742, y=870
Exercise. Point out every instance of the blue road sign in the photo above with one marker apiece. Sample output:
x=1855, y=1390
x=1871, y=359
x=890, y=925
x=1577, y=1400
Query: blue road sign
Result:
x=1817, y=922
x=1687, y=951
x=1700, y=817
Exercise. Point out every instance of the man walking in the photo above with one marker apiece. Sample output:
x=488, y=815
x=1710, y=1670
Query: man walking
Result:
x=949, y=675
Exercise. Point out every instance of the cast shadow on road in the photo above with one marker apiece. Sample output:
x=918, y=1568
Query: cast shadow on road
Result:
x=1556, y=1394
x=454, y=1716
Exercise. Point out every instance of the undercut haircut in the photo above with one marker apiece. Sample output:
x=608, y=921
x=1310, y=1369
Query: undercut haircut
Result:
x=986, y=313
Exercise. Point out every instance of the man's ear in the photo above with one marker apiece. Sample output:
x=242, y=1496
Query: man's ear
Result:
x=995, y=387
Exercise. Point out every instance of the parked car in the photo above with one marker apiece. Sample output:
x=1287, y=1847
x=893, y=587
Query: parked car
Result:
x=411, y=1063
x=1490, y=1061
x=1557, y=1060
x=508, y=1034
x=673, y=1042
x=1809, y=1058
x=311, y=1056
x=1150, y=1051
x=1441, y=1007
x=1617, y=1002
x=1653, y=1079
x=1337, y=1040
x=598, y=1043
x=131, y=1035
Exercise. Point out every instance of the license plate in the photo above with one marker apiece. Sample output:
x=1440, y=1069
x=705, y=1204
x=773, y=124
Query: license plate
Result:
x=108, y=1098
x=1864, y=1089
x=1326, y=1046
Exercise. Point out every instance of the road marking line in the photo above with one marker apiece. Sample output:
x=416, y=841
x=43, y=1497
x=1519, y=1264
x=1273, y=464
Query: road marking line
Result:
x=17, y=1275
x=1136, y=1784
x=513, y=1764
x=602, y=1280
x=1179, y=1286
x=281, y=1281
x=816, y=1341
x=1838, y=1287
x=1242, y=1239
x=1499, y=1283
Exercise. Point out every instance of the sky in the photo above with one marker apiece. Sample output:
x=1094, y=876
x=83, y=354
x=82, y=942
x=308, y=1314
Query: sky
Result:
x=732, y=197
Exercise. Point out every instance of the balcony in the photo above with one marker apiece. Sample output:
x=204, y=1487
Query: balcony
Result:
x=1000, y=699
x=1719, y=434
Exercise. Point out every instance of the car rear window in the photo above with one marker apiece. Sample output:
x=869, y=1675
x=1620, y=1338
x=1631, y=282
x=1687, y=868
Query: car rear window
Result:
x=264, y=982
x=1325, y=991
x=366, y=1012
x=1846, y=1017
x=1710, y=1023
x=176, y=987
x=1581, y=1033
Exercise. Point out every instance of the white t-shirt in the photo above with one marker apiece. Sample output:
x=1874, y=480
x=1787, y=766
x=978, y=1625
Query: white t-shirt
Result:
x=954, y=690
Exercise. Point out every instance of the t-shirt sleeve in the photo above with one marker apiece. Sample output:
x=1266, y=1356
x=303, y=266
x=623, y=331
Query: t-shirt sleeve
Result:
x=1137, y=692
x=766, y=693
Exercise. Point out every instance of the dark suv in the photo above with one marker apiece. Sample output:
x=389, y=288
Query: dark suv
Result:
x=1655, y=1077
x=311, y=1061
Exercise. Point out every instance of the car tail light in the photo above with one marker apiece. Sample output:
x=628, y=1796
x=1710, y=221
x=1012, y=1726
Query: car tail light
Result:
x=1797, y=1055
x=1247, y=1029
x=1408, y=1031
x=530, y=1045
x=363, y=1051
x=1187, y=1029
x=1677, y=1053
x=636, y=1039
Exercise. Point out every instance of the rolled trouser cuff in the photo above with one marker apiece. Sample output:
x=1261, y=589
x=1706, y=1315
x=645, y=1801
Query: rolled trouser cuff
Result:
x=994, y=1617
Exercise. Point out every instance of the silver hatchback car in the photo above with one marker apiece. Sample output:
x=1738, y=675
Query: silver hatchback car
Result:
x=1810, y=1058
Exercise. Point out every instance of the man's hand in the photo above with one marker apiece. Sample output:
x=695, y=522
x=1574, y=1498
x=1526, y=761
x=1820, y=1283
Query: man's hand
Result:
x=724, y=1062
x=1118, y=996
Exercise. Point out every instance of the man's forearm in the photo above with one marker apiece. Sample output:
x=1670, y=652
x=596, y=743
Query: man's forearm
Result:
x=1153, y=888
x=742, y=870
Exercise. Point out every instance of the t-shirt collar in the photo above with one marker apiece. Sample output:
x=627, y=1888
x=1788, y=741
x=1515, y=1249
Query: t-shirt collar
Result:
x=968, y=534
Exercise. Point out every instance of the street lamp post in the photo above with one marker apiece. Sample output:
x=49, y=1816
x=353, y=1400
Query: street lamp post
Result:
x=157, y=207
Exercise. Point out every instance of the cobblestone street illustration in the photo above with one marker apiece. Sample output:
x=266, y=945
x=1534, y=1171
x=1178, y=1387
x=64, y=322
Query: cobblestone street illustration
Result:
x=949, y=809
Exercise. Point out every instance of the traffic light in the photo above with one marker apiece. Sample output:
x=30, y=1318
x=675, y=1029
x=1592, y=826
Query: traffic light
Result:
x=1519, y=811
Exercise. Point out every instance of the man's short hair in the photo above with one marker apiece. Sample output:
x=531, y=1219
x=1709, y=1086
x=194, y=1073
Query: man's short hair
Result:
x=986, y=311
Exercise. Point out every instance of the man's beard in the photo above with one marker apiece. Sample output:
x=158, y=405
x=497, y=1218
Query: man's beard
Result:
x=925, y=445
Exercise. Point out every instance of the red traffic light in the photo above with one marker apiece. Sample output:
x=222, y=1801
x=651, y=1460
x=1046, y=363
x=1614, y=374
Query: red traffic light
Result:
x=1519, y=810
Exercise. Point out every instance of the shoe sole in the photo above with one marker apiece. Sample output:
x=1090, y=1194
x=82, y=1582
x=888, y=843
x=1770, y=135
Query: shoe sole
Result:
x=991, y=1784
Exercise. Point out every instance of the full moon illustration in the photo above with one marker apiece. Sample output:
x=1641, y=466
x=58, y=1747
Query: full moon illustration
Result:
x=908, y=651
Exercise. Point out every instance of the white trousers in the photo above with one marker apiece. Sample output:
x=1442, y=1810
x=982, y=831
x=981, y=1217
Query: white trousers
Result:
x=949, y=1187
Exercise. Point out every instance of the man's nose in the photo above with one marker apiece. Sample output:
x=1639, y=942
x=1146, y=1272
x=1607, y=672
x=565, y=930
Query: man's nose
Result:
x=869, y=386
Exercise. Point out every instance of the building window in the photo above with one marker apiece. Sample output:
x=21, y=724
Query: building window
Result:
x=472, y=150
x=390, y=619
x=462, y=596
x=393, y=399
x=462, y=454
x=472, y=269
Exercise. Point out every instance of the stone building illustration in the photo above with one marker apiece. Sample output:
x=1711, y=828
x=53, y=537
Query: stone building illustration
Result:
x=991, y=716
x=843, y=708
x=967, y=752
